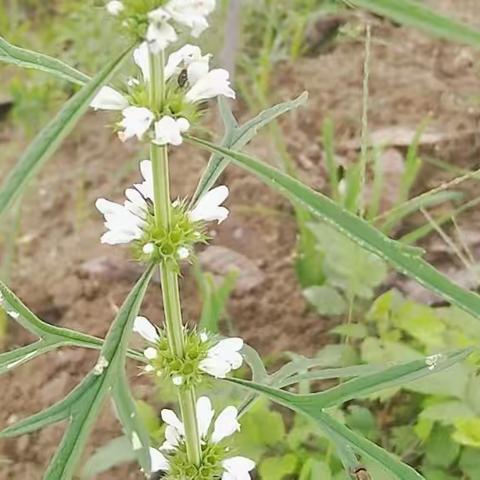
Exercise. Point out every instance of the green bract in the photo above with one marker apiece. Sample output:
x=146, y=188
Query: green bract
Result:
x=210, y=467
x=170, y=244
x=184, y=370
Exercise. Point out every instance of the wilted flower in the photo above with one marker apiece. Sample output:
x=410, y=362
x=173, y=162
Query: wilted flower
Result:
x=189, y=82
x=169, y=457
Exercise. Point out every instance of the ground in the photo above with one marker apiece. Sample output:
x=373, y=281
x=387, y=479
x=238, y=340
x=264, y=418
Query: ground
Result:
x=68, y=278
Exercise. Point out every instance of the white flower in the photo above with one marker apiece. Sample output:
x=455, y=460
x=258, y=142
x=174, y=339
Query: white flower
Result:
x=203, y=84
x=189, y=13
x=209, y=206
x=143, y=327
x=160, y=33
x=169, y=130
x=115, y=7
x=223, y=358
x=109, y=99
x=136, y=121
x=237, y=468
x=125, y=223
x=212, y=84
x=226, y=424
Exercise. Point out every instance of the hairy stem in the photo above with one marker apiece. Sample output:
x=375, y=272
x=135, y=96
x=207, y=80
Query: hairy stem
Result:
x=169, y=276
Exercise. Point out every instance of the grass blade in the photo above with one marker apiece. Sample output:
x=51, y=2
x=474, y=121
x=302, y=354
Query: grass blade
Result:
x=417, y=15
x=49, y=139
x=406, y=261
x=38, y=61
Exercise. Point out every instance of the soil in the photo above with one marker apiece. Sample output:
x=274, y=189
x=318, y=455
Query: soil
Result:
x=68, y=278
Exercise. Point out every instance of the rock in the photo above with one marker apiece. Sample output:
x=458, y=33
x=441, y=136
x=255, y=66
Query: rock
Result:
x=221, y=260
x=397, y=136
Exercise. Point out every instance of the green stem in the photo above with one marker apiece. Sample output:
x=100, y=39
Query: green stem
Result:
x=168, y=275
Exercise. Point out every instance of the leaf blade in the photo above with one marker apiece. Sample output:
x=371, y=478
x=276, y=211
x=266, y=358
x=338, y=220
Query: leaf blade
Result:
x=22, y=57
x=355, y=228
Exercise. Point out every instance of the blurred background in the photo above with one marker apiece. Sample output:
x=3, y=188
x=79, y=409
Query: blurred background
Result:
x=288, y=284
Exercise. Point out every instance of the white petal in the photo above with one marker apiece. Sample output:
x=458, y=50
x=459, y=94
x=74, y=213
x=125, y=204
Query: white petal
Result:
x=216, y=367
x=158, y=461
x=160, y=33
x=237, y=468
x=170, y=418
x=172, y=437
x=208, y=207
x=141, y=59
x=150, y=353
x=225, y=425
x=185, y=55
x=226, y=346
x=214, y=83
x=205, y=414
x=146, y=329
x=177, y=380
x=136, y=121
x=168, y=130
x=115, y=7
x=204, y=336
x=109, y=99
x=191, y=13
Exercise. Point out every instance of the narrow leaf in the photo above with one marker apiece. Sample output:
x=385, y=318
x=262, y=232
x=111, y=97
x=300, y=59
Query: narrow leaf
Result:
x=104, y=376
x=237, y=137
x=365, y=447
x=415, y=14
x=132, y=424
x=356, y=228
x=49, y=139
x=38, y=61
x=15, y=358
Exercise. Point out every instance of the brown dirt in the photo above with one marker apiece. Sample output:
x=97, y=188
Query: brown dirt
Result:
x=412, y=77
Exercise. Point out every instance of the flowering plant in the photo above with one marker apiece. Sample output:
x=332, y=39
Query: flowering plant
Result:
x=161, y=108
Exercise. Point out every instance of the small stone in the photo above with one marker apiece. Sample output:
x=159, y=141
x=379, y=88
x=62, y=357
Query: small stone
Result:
x=221, y=261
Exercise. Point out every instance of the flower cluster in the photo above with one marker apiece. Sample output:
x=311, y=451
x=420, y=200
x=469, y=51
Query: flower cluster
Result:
x=134, y=221
x=154, y=20
x=189, y=82
x=215, y=462
x=202, y=355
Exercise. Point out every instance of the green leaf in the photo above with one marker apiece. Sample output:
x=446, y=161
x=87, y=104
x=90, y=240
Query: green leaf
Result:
x=326, y=300
x=83, y=404
x=38, y=61
x=417, y=15
x=346, y=265
x=313, y=405
x=49, y=139
x=440, y=450
x=15, y=358
x=447, y=413
x=277, y=468
x=356, y=228
x=132, y=423
x=467, y=432
x=315, y=470
x=237, y=137
x=115, y=452
x=351, y=330
x=470, y=462
x=261, y=428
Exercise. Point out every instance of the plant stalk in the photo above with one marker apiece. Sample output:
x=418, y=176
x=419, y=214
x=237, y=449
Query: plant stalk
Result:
x=168, y=275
